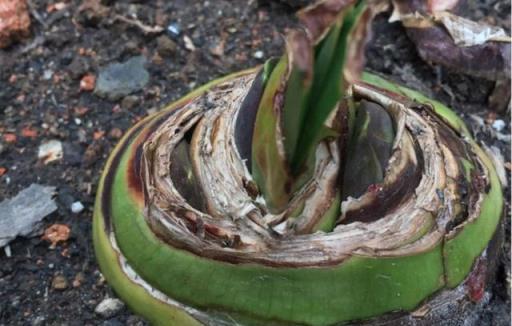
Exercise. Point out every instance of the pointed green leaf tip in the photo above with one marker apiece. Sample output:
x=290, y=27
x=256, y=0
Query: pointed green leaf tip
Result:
x=314, y=74
x=300, y=68
x=330, y=83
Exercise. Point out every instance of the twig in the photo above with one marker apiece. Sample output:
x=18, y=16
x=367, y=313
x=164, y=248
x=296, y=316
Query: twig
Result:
x=34, y=44
x=145, y=28
x=35, y=14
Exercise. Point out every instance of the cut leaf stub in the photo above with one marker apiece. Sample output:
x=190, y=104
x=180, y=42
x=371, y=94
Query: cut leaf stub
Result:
x=403, y=240
x=295, y=194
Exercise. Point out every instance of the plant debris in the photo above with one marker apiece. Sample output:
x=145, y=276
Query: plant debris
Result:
x=442, y=37
x=465, y=32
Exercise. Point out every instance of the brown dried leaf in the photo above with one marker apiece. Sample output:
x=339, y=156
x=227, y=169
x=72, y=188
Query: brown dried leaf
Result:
x=467, y=33
x=443, y=38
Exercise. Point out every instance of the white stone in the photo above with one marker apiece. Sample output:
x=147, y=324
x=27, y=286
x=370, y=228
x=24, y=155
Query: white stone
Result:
x=50, y=151
x=258, y=54
x=109, y=307
x=77, y=207
x=7, y=250
x=47, y=74
x=498, y=124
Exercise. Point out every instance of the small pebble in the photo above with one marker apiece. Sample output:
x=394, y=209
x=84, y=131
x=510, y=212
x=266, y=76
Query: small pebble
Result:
x=38, y=321
x=498, y=124
x=109, y=307
x=165, y=46
x=78, y=67
x=15, y=22
x=174, y=29
x=79, y=279
x=189, y=45
x=59, y=282
x=7, y=250
x=129, y=102
x=116, y=133
x=131, y=47
x=135, y=321
x=258, y=55
x=112, y=322
x=88, y=82
x=47, y=74
x=15, y=302
x=152, y=110
x=77, y=207
x=50, y=151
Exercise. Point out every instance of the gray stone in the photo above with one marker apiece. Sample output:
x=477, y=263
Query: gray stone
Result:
x=22, y=214
x=120, y=79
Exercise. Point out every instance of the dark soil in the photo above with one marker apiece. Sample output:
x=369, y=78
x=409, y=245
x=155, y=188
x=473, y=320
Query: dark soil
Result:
x=40, y=90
